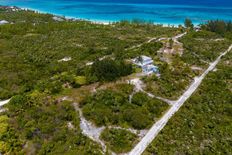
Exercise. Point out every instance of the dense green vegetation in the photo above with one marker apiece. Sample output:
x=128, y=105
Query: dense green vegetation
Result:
x=21, y=16
x=150, y=48
x=220, y=27
x=109, y=70
x=202, y=47
x=119, y=140
x=112, y=107
x=31, y=46
x=39, y=124
x=30, y=49
x=188, y=23
x=203, y=125
x=173, y=79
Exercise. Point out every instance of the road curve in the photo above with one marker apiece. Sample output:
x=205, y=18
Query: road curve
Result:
x=159, y=125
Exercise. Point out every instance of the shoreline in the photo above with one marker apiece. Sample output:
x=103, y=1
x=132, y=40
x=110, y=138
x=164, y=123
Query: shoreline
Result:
x=93, y=21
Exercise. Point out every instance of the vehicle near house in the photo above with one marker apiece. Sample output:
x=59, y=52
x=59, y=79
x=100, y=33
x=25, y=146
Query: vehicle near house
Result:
x=146, y=64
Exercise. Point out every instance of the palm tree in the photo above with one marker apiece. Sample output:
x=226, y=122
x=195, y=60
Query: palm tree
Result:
x=140, y=59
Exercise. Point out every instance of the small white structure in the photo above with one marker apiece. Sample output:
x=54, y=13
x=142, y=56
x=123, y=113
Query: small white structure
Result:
x=197, y=28
x=57, y=19
x=146, y=63
x=2, y=22
x=65, y=59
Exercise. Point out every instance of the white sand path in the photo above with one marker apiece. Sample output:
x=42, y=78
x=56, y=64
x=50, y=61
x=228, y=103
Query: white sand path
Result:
x=2, y=103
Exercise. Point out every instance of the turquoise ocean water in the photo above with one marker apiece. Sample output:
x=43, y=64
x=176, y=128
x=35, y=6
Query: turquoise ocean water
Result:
x=157, y=11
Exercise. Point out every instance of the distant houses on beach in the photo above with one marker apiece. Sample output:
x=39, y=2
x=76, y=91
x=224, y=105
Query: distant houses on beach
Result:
x=146, y=64
x=58, y=19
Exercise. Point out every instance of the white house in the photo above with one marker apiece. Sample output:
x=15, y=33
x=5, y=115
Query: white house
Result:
x=146, y=63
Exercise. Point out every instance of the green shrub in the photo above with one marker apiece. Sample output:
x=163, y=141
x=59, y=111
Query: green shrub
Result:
x=109, y=70
x=81, y=80
x=111, y=107
x=203, y=124
x=140, y=99
x=118, y=140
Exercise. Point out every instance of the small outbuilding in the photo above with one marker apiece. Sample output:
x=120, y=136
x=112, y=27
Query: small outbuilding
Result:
x=65, y=59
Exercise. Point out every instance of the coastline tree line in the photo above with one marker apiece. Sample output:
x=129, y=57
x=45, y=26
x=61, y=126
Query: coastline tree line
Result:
x=220, y=27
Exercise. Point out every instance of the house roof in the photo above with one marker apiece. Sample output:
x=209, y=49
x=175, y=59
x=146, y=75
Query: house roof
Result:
x=145, y=61
x=145, y=58
x=151, y=66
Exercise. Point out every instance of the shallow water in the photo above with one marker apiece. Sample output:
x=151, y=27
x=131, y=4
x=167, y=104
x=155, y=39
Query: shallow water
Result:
x=158, y=11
